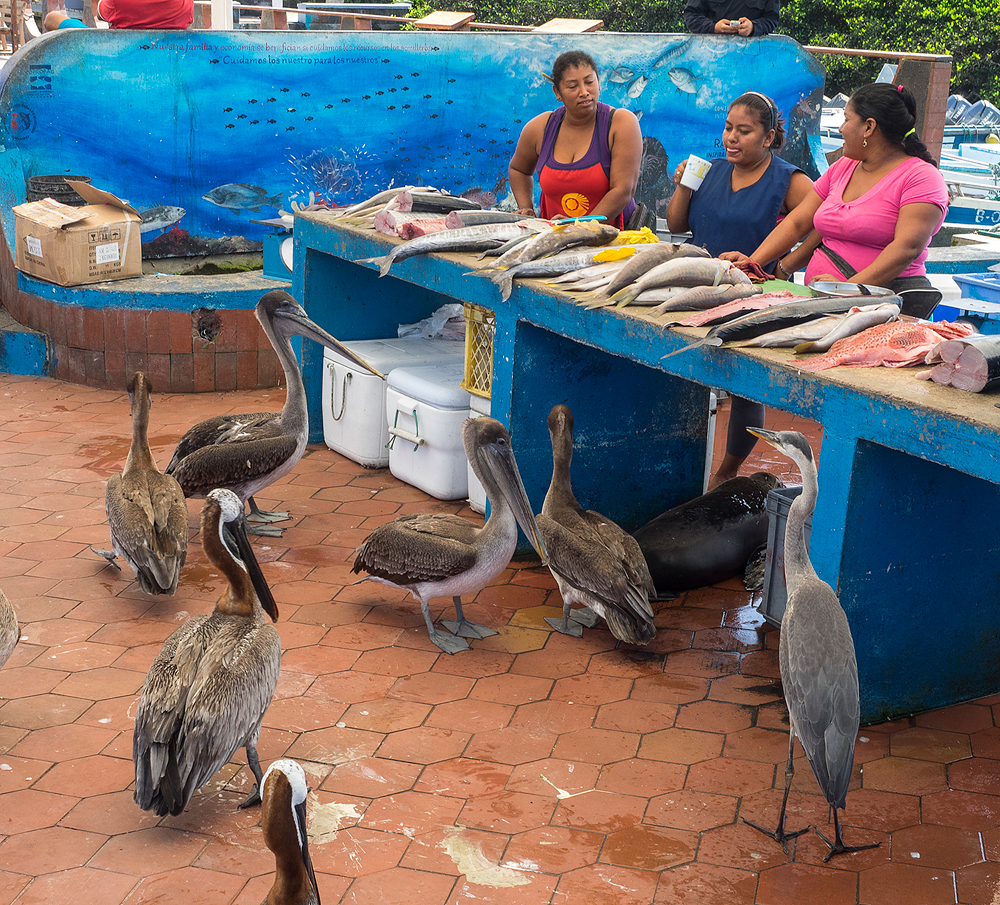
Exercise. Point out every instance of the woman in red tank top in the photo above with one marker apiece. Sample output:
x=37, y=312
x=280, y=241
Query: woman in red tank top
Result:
x=586, y=154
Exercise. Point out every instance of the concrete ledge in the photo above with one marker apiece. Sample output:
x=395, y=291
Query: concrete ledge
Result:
x=22, y=351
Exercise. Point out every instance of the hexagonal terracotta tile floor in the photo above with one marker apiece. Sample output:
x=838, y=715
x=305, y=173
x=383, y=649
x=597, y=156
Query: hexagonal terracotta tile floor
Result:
x=533, y=768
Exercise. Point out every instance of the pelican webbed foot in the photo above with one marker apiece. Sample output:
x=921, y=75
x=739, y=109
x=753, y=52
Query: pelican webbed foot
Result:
x=263, y=515
x=778, y=835
x=837, y=847
x=574, y=621
x=450, y=644
x=585, y=616
x=566, y=625
x=109, y=555
x=462, y=627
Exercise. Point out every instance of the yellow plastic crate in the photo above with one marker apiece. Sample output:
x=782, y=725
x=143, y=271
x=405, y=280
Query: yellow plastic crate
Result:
x=480, y=326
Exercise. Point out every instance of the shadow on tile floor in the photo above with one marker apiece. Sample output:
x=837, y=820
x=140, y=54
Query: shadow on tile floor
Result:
x=534, y=768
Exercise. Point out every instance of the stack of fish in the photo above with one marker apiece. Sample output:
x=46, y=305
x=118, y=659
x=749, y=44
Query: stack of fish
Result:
x=968, y=363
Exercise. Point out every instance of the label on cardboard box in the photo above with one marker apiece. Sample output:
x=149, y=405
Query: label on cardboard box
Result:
x=34, y=246
x=106, y=254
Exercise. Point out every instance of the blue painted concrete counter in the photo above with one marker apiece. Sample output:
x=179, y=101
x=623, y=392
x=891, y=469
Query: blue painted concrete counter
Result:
x=905, y=525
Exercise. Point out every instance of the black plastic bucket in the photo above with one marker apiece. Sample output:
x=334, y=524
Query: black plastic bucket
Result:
x=57, y=188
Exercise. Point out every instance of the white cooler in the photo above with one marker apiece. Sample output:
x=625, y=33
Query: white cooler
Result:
x=354, y=419
x=477, y=495
x=425, y=408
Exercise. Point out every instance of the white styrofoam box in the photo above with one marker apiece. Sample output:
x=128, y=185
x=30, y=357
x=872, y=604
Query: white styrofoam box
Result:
x=477, y=495
x=354, y=421
x=425, y=408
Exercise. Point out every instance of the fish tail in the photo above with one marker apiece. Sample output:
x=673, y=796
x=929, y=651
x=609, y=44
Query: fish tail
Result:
x=624, y=296
x=803, y=347
x=506, y=284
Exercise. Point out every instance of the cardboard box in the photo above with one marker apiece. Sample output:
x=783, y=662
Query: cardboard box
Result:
x=74, y=245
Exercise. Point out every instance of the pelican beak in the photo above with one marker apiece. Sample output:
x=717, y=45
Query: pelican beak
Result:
x=503, y=466
x=301, y=323
x=300, y=819
x=245, y=551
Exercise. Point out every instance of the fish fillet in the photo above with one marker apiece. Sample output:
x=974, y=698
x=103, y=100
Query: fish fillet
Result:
x=895, y=345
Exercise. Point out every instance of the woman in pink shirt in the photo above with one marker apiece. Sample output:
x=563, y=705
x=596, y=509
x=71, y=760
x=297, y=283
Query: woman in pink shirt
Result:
x=875, y=208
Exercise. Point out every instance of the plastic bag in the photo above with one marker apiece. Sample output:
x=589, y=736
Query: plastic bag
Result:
x=448, y=322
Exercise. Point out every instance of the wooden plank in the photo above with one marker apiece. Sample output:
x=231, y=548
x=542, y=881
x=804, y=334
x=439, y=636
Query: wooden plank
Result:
x=569, y=26
x=445, y=21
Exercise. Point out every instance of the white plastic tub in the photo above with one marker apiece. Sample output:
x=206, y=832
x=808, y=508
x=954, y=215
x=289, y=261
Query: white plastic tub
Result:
x=354, y=418
x=425, y=410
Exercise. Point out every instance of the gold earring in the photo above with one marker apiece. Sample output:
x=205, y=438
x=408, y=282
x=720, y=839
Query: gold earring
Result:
x=864, y=144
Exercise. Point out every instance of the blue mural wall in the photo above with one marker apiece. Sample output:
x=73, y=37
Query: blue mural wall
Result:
x=204, y=132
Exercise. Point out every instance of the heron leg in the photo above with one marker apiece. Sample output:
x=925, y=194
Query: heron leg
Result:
x=254, y=762
x=448, y=642
x=779, y=834
x=567, y=625
x=462, y=627
x=837, y=847
x=260, y=518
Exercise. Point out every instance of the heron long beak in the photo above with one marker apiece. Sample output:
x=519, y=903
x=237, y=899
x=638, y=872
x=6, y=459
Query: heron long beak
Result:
x=503, y=466
x=766, y=435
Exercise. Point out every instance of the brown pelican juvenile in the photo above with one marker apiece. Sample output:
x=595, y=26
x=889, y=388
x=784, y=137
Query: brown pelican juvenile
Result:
x=246, y=453
x=819, y=670
x=283, y=821
x=9, y=629
x=446, y=555
x=594, y=562
x=207, y=690
x=146, y=511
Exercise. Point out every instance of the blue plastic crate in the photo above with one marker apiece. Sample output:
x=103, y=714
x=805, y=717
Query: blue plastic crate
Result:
x=982, y=290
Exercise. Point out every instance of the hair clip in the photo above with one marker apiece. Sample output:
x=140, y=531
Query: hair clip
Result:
x=899, y=88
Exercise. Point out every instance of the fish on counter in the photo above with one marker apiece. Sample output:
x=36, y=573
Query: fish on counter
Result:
x=682, y=272
x=459, y=218
x=731, y=310
x=819, y=334
x=710, y=538
x=553, y=265
x=686, y=298
x=775, y=317
x=971, y=363
x=898, y=344
x=434, y=202
x=422, y=227
x=388, y=221
x=647, y=259
x=468, y=238
x=557, y=238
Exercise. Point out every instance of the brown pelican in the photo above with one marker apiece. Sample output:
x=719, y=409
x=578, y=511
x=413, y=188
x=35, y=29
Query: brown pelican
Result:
x=446, y=555
x=819, y=670
x=207, y=690
x=9, y=629
x=146, y=510
x=246, y=453
x=283, y=821
x=594, y=562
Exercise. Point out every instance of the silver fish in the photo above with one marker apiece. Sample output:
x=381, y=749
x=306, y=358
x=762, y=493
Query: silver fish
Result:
x=648, y=258
x=684, y=79
x=856, y=320
x=469, y=238
x=551, y=265
x=637, y=86
x=776, y=317
x=605, y=268
x=620, y=75
x=671, y=53
x=554, y=240
x=683, y=272
x=697, y=298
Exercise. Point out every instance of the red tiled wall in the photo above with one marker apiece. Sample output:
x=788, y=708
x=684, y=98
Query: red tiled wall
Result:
x=100, y=347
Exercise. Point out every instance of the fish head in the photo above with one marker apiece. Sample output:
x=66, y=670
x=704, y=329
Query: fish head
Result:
x=487, y=444
x=288, y=318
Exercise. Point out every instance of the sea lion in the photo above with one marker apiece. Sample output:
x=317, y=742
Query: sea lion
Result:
x=710, y=538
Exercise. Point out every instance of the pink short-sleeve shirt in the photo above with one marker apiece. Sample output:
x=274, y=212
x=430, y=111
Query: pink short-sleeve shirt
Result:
x=859, y=230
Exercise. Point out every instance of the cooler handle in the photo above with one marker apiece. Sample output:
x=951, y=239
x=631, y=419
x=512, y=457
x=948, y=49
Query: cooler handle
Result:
x=414, y=438
x=333, y=392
